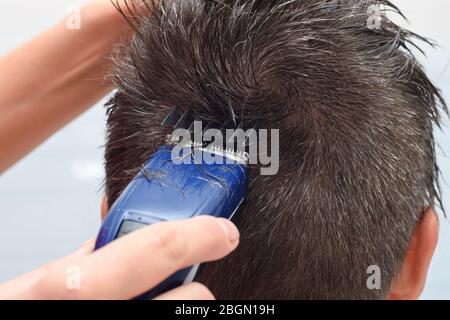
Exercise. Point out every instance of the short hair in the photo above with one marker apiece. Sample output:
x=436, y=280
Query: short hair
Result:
x=355, y=111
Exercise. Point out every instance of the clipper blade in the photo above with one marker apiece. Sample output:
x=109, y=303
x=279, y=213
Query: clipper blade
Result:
x=229, y=146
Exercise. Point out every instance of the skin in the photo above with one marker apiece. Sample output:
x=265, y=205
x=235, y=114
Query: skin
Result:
x=55, y=77
x=133, y=264
x=33, y=109
x=36, y=101
x=411, y=280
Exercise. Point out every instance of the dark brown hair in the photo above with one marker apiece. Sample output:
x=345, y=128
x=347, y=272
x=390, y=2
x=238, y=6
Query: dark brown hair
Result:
x=355, y=112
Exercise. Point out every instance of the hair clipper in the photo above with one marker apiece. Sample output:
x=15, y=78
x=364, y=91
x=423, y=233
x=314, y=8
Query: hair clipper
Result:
x=167, y=190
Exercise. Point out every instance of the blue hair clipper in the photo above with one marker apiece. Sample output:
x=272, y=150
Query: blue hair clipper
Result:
x=169, y=188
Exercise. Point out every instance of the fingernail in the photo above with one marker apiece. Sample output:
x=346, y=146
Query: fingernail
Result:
x=229, y=228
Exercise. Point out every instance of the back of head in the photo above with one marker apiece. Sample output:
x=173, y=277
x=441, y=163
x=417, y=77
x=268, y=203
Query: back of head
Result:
x=355, y=112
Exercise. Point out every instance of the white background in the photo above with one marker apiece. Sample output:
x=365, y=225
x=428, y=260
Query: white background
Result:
x=50, y=201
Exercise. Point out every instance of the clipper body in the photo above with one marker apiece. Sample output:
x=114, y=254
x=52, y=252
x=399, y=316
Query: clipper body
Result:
x=167, y=191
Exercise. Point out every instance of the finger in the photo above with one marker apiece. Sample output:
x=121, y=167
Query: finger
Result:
x=191, y=291
x=139, y=261
x=21, y=287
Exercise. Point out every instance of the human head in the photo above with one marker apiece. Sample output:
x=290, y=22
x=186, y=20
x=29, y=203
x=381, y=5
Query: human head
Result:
x=355, y=112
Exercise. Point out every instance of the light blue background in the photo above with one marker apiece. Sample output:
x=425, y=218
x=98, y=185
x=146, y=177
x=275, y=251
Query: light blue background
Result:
x=50, y=201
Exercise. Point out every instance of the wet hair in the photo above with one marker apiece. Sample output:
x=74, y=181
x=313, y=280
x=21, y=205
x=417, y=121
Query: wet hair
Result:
x=355, y=111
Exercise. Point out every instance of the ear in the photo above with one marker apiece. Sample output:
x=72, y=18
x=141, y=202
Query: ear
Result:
x=410, y=282
x=105, y=208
